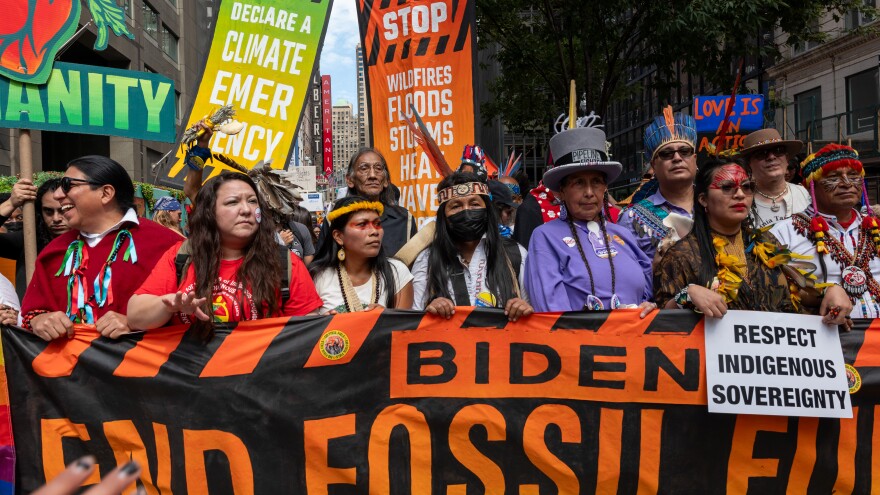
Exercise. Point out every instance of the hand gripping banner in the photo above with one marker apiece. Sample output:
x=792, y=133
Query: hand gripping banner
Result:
x=419, y=55
x=400, y=402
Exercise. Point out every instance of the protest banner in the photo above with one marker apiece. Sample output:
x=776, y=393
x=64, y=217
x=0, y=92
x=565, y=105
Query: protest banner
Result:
x=600, y=402
x=304, y=176
x=92, y=100
x=777, y=364
x=261, y=61
x=419, y=56
x=747, y=115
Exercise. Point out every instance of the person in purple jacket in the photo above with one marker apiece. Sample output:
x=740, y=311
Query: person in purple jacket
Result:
x=580, y=261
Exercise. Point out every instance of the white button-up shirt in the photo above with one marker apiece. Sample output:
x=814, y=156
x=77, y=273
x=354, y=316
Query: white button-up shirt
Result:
x=863, y=307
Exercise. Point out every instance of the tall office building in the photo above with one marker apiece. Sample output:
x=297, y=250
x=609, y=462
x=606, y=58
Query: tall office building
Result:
x=363, y=108
x=345, y=140
x=172, y=38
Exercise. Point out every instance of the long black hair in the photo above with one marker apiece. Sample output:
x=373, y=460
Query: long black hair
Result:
x=106, y=171
x=260, y=270
x=325, y=256
x=705, y=176
x=444, y=254
x=44, y=235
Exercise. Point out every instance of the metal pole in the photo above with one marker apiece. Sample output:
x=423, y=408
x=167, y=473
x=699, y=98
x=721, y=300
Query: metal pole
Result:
x=26, y=168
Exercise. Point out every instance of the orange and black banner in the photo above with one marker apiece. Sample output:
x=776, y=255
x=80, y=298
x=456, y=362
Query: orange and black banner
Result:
x=419, y=55
x=400, y=402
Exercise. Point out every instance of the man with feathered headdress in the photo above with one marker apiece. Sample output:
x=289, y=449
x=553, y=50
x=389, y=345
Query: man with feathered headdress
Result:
x=670, y=145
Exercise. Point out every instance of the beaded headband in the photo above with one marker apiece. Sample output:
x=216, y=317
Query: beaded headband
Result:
x=830, y=157
x=460, y=190
x=357, y=206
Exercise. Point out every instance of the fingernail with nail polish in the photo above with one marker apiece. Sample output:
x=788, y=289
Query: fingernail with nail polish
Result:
x=129, y=469
x=85, y=463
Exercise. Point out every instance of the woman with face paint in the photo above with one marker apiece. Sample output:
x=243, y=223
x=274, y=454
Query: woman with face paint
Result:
x=234, y=271
x=351, y=271
x=724, y=263
x=469, y=263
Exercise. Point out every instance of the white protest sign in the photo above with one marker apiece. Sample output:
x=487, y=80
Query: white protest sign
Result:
x=775, y=364
x=313, y=201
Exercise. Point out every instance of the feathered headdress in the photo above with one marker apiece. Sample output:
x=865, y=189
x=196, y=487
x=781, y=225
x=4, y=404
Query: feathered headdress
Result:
x=514, y=162
x=277, y=187
x=669, y=128
x=426, y=141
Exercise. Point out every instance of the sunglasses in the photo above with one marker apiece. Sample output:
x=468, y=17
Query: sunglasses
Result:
x=776, y=151
x=685, y=152
x=729, y=188
x=68, y=183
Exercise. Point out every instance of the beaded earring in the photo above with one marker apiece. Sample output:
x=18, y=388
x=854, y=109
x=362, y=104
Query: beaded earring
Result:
x=340, y=255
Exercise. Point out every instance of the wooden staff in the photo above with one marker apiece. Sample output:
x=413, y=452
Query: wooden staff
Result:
x=26, y=171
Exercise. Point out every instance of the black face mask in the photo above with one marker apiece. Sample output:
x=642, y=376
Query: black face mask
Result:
x=467, y=225
x=13, y=226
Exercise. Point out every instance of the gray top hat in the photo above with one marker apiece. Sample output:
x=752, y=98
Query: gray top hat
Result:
x=577, y=150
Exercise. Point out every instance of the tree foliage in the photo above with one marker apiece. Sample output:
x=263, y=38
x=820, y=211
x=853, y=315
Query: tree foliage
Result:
x=543, y=44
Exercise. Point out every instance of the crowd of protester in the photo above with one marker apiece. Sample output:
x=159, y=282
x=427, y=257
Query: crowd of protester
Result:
x=731, y=233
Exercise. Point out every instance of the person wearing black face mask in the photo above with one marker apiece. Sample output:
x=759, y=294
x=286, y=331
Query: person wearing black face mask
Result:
x=469, y=263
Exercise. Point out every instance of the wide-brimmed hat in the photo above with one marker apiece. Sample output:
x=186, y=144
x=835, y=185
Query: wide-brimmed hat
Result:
x=768, y=138
x=576, y=150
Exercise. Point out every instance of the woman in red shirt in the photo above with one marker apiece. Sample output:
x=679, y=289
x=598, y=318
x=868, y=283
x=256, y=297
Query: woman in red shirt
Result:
x=235, y=272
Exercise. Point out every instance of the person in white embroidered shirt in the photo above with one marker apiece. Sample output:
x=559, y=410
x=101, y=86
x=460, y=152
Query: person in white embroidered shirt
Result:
x=469, y=263
x=842, y=240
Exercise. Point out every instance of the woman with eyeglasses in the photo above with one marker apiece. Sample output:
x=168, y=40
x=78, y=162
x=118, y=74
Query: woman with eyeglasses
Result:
x=724, y=262
x=350, y=269
x=87, y=274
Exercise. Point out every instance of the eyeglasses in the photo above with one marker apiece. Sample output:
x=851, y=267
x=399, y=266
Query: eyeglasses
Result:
x=832, y=183
x=765, y=153
x=67, y=183
x=729, y=187
x=685, y=152
x=364, y=168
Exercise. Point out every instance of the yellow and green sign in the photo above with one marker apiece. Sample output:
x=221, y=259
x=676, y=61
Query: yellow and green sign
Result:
x=93, y=100
x=261, y=62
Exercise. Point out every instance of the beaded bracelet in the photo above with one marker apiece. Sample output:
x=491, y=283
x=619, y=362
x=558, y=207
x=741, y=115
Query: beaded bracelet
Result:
x=683, y=299
x=26, y=319
x=196, y=156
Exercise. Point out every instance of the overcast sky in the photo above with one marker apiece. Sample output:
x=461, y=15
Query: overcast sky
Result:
x=338, y=54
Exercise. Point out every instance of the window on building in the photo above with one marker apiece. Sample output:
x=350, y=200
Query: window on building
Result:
x=807, y=45
x=151, y=21
x=862, y=99
x=169, y=43
x=808, y=114
x=126, y=6
x=856, y=18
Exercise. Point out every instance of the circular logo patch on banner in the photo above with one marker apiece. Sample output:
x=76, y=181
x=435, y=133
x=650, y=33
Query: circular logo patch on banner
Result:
x=334, y=345
x=853, y=379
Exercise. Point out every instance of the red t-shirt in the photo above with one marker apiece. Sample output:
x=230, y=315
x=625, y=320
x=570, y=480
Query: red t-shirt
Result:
x=232, y=302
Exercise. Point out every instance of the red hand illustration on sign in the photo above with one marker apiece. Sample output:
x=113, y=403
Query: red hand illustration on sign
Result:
x=32, y=32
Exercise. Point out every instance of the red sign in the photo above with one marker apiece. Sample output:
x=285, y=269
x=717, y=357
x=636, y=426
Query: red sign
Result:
x=327, y=119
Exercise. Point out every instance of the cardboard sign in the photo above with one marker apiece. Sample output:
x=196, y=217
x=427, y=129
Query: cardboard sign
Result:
x=304, y=177
x=92, y=100
x=775, y=364
x=747, y=113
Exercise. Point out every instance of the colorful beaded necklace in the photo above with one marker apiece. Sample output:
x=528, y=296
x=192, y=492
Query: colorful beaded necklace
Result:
x=80, y=307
